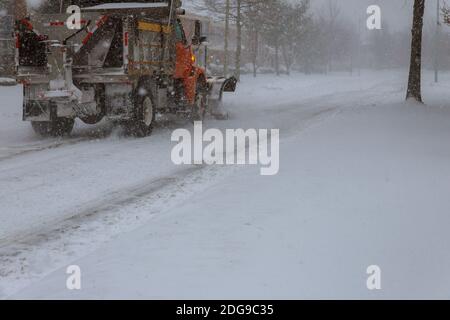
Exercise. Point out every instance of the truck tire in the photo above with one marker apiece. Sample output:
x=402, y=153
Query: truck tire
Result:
x=142, y=125
x=56, y=128
x=201, y=102
x=100, y=101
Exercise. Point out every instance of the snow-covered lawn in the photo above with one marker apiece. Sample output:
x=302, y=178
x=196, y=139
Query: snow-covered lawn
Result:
x=364, y=180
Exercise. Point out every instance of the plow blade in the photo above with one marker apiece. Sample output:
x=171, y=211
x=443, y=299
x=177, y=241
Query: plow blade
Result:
x=217, y=86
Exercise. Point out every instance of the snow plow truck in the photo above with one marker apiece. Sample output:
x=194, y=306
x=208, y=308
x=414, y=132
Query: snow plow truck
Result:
x=126, y=61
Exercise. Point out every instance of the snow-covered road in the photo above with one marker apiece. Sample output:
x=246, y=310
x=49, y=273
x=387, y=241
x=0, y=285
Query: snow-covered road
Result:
x=363, y=181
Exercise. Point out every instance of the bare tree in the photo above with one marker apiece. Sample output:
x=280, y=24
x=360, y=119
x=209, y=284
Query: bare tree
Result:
x=18, y=8
x=278, y=24
x=227, y=10
x=232, y=10
x=293, y=30
x=330, y=19
x=255, y=20
x=414, y=82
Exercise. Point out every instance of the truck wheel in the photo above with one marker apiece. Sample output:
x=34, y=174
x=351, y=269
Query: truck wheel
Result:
x=201, y=102
x=56, y=128
x=100, y=101
x=142, y=126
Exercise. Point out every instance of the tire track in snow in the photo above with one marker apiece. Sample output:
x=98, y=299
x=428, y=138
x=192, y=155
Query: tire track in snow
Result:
x=51, y=247
x=122, y=197
x=86, y=229
x=15, y=151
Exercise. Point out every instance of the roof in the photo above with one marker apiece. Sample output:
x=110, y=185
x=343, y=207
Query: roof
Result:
x=127, y=5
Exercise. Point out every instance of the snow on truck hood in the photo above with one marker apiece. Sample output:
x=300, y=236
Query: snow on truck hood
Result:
x=127, y=5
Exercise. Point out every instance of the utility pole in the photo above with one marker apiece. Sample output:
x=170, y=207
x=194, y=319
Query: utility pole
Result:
x=238, y=39
x=227, y=35
x=359, y=45
x=436, y=42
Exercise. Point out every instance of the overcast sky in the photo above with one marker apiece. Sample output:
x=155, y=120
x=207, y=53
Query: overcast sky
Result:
x=396, y=13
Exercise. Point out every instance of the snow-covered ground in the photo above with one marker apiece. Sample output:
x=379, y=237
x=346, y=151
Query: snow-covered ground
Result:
x=363, y=181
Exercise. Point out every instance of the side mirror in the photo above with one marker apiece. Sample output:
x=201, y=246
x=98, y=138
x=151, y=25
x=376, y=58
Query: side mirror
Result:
x=197, y=38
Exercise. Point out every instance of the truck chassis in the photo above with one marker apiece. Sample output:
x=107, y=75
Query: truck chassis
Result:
x=126, y=63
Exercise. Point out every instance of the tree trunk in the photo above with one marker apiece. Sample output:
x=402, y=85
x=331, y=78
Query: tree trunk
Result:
x=414, y=82
x=255, y=46
x=227, y=35
x=277, y=58
x=287, y=59
x=238, y=39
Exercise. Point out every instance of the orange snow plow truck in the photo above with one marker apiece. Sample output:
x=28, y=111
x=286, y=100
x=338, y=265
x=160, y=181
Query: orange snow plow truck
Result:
x=125, y=61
